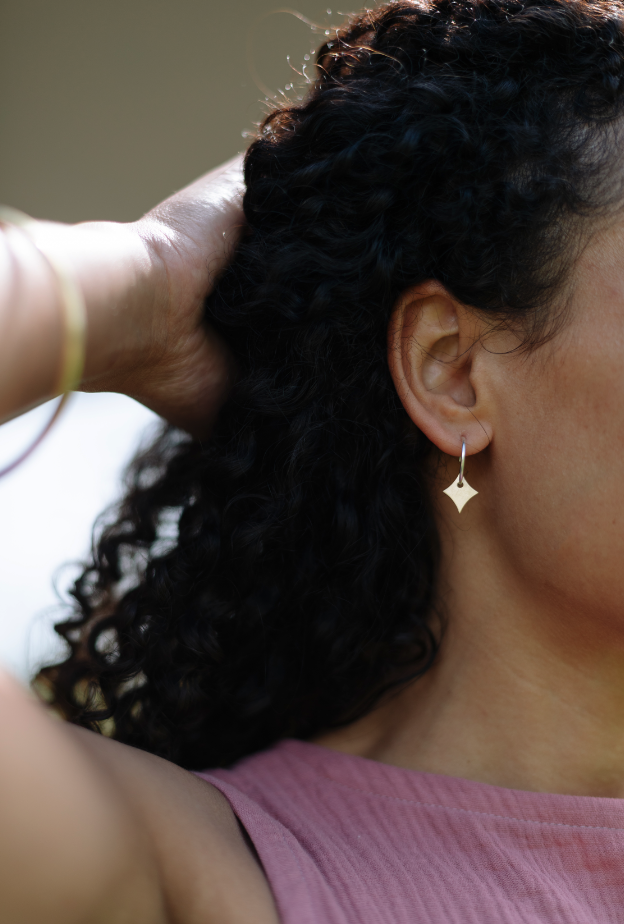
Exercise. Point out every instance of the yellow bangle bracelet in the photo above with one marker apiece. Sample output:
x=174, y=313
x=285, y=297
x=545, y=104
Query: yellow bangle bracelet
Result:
x=74, y=318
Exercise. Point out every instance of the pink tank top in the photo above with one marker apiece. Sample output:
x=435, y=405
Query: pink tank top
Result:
x=345, y=840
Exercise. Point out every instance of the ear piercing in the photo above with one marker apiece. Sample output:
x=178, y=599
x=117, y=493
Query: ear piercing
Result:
x=460, y=491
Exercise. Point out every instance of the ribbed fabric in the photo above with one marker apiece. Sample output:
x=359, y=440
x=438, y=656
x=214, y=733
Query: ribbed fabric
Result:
x=345, y=840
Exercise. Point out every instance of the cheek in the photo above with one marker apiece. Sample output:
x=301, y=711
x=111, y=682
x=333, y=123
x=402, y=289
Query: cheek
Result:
x=557, y=478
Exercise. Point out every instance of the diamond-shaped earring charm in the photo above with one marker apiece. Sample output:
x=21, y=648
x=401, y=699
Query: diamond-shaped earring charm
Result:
x=460, y=491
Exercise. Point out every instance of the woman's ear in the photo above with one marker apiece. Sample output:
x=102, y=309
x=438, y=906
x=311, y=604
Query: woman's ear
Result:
x=436, y=359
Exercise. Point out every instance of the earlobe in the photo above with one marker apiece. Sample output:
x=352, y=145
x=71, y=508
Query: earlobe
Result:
x=432, y=340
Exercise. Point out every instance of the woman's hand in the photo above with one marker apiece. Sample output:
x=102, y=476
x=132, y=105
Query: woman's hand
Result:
x=178, y=368
x=144, y=286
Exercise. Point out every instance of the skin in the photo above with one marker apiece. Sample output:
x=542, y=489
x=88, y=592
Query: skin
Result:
x=144, y=286
x=109, y=834
x=527, y=691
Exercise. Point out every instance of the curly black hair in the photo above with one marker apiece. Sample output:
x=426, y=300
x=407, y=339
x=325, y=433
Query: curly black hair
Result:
x=277, y=580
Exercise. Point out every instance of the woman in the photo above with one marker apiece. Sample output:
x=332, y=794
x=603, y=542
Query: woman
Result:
x=432, y=266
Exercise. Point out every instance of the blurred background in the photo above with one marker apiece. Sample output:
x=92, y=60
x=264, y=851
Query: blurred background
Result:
x=106, y=108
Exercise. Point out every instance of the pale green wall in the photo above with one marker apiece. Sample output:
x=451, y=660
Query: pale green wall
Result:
x=107, y=107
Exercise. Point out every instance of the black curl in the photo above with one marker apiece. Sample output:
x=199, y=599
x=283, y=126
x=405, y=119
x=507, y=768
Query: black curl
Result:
x=277, y=580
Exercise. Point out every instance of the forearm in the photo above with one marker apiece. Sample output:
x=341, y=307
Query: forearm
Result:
x=115, y=271
x=144, y=286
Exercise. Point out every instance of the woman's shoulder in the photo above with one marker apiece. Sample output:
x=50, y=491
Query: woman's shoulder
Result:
x=208, y=872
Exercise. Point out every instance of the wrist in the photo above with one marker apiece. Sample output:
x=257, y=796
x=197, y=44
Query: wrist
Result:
x=31, y=325
x=119, y=282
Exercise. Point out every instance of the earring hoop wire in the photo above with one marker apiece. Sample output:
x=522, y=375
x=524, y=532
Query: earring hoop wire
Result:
x=462, y=463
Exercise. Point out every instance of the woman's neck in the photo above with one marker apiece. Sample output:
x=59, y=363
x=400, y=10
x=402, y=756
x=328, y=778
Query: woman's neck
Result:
x=526, y=693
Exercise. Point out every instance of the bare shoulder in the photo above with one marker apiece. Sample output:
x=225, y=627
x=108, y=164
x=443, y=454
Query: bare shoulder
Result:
x=207, y=872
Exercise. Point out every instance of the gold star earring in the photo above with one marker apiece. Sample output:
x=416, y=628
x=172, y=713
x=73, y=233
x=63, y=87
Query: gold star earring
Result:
x=460, y=491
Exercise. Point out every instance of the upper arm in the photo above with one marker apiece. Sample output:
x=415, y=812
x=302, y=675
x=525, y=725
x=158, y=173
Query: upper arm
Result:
x=96, y=832
x=71, y=849
x=207, y=873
